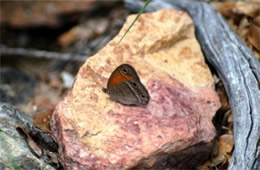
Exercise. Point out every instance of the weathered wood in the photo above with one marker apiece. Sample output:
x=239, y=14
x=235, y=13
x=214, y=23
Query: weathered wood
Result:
x=238, y=69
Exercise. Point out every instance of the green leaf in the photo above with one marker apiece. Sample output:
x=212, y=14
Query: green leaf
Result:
x=138, y=15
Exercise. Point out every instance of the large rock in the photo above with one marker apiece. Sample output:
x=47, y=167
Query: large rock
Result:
x=95, y=132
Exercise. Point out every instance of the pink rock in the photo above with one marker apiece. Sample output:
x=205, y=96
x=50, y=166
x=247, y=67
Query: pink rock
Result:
x=173, y=131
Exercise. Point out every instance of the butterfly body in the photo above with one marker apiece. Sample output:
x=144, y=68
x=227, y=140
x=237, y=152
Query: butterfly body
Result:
x=125, y=87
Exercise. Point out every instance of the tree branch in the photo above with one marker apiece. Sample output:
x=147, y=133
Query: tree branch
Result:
x=6, y=51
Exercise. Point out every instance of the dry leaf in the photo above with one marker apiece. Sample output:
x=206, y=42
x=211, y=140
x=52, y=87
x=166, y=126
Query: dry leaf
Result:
x=42, y=121
x=254, y=33
x=244, y=19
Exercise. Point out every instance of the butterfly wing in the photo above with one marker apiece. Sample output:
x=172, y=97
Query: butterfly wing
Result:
x=130, y=92
x=125, y=86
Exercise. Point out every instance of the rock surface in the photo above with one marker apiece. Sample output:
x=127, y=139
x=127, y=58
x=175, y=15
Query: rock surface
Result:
x=175, y=127
x=14, y=150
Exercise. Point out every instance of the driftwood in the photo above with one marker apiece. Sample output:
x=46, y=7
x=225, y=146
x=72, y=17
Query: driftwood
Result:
x=238, y=69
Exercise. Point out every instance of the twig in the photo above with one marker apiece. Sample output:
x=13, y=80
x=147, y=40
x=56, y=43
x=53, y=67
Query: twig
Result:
x=6, y=51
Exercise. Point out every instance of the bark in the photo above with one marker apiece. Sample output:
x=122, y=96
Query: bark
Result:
x=237, y=67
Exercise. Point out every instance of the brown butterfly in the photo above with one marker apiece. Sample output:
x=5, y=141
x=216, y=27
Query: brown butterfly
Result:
x=125, y=87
